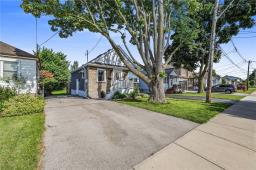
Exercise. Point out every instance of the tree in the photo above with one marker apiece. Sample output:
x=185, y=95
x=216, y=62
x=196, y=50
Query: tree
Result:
x=252, y=78
x=74, y=66
x=238, y=16
x=146, y=24
x=54, y=72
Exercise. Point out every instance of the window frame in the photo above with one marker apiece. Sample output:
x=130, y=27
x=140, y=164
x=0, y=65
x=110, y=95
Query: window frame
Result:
x=104, y=74
x=3, y=70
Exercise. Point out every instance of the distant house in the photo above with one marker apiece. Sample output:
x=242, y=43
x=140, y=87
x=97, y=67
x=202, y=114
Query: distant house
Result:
x=101, y=77
x=216, y=80
x=232, y=80
x=16, y=64
x=179, y=77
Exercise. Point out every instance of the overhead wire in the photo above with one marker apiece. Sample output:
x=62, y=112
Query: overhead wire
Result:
x=237, y=51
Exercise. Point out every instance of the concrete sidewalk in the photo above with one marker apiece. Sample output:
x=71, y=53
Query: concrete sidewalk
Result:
x=228, y=141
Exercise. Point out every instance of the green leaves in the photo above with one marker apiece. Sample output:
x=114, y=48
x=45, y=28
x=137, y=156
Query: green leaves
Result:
x=55, y=63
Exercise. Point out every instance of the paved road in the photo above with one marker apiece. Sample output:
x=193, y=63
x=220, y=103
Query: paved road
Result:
x=227, y=141
x=94, y=134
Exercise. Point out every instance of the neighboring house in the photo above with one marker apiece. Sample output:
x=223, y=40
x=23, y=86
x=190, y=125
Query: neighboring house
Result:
x=232, y=80
x=216, y=80
x=18, y=65
x=179, y=77
x=101, y=77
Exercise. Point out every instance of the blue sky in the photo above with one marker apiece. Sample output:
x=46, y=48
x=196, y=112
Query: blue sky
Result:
x=18, y=29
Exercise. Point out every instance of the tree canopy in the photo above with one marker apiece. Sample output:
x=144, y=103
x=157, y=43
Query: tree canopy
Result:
x=53, y=69
x=240, y=15
x=146, y=24
x=74, y=66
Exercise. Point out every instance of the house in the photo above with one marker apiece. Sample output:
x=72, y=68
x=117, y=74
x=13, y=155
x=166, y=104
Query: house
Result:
x=18, y=69
x=180, y=77
x=101, y=77
x=232, y=80
x=216, y=80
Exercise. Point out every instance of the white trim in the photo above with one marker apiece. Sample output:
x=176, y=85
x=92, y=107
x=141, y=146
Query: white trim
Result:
x=105, y=75
x=80, y=93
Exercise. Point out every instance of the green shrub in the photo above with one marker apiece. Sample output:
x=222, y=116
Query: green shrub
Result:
x=134, y=93
x=22, y=105
x=119, y=95
x=144, y=95
x=5, y=94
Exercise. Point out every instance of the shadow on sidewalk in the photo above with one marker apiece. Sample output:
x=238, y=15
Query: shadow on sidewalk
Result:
x=245, y=109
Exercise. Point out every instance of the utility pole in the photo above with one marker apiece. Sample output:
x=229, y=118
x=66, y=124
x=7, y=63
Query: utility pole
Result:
x=248, y=74
x=212, y=45
x=87, y=55
x=211, y=52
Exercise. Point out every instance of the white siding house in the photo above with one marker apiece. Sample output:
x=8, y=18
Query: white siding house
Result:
x=16, y=64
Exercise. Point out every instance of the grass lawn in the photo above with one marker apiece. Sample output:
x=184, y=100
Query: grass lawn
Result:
x=214, y=95
x=20, y=140
x=59, y=92
x=196, y=111
x=247, y=92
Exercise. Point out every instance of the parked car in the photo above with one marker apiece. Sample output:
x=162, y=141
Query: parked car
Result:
x=227, y=88
x=174, y=90
x=241, y=87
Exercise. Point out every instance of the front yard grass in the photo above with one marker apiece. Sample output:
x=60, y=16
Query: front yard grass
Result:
x=59, y=92
x=196, y=111
x=20, y=140
x=214, y=95
x=251, y=90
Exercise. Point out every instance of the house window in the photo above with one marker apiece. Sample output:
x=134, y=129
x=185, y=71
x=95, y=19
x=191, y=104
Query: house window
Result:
x=10, y=70
x=135, y=80
x=101, y=75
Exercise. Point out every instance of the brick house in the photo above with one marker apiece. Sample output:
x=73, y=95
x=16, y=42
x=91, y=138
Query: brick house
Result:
x=101, y=77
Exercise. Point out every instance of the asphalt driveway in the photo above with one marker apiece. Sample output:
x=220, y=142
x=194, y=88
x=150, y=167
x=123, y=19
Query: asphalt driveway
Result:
x=96, y=134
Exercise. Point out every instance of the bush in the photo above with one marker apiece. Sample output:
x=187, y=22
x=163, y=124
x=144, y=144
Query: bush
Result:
x=5, y=94
x=119, y=95
x=134, y=93
x=22, y=105
x=144, y=95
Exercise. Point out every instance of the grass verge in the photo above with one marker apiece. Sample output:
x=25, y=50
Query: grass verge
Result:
x=251, y=90
x=20, y=140
x=59, y=92
x=196, y=111
x=214, y=95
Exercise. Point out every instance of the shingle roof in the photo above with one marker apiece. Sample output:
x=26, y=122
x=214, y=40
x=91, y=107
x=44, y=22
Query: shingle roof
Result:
x=6, y=49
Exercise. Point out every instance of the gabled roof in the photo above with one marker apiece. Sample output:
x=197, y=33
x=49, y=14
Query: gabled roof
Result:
x=171, y=72
x=232, y=78
x=108, y=59
x=11, y=51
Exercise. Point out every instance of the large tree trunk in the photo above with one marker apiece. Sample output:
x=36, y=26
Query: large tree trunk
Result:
x=157, y=91
x=200, y=84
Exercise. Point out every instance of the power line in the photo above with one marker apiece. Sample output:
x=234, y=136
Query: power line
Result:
x=246, y=37
x=230, y=60
x=49, y=38
x=240, y=55
x=96, y=44
x=247, y=32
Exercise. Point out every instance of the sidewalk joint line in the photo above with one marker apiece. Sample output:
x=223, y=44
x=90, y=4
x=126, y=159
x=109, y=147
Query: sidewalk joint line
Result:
x=198, y=155
x=225, y=139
